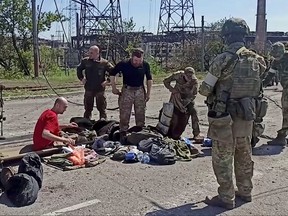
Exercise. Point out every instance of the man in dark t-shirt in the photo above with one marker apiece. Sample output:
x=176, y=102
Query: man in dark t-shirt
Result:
x=133, y=91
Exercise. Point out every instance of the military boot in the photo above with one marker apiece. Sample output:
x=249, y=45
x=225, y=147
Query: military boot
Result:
x=280, y=140
x=216, y=201
x=123, y=137
x=244, y=198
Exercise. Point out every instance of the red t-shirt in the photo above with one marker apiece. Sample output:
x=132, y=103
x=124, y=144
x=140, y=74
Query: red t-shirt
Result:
x=49, y=121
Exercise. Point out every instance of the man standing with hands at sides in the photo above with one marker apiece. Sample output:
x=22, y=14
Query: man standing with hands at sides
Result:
x=94, y=81
x=133, y=91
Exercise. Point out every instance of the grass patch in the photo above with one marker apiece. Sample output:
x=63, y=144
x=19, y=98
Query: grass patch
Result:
x=26, y=93
x=61, y=80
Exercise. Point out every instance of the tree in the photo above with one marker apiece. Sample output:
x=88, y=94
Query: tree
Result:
x=213, y=41
x=132, y=38
x=16, y=28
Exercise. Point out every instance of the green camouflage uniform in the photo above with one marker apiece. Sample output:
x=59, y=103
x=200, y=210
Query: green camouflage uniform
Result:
x=132, y=96
x=280, y=66
x=230, y=133
x=95, y=73
x=183, y=99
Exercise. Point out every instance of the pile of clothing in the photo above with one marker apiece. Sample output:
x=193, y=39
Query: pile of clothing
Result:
x=101, y=138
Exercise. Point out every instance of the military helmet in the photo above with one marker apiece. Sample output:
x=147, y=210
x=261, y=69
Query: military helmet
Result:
x=277, y=50
x=235, y=26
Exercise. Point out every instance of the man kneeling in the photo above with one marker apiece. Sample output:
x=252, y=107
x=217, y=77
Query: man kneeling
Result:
x=47, y=129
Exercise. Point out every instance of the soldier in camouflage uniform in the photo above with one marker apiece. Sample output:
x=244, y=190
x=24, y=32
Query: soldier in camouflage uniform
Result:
x=232, y=86
x=94, y=81
x=280, y=65
x=183, y=94
x=133, y=91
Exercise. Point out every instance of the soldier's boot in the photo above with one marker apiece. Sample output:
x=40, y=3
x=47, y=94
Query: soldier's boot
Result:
x=103, y=116
x=216, y=201
x=123, y=137
x=280, y=140
x=198, y=138
x=87, y=114
x=244, y=198
x=195, y=152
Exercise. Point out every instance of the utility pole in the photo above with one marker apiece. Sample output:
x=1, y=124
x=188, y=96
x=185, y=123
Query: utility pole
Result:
x=202, y=44
x=260, y=38
x=35, y=39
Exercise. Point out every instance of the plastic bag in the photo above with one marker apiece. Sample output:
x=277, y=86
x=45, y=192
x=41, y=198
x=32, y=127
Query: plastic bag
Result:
x=77, y=156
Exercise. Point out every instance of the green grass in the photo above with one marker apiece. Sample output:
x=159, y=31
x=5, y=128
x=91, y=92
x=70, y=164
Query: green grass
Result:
x=60, y=80
x=42, y=93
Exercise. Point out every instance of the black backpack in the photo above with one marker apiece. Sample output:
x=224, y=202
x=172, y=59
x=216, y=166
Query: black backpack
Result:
x=83, y=122
x=106, y=127
x=23, y=187
x=162, y=153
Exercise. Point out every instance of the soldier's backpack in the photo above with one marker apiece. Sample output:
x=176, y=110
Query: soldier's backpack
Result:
x=162, y=153
x=24, y=186
x=83, y=122
x=106, y=127
x=134, y=138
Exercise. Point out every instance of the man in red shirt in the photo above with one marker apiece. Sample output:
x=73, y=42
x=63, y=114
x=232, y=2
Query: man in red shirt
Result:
x=47, y=128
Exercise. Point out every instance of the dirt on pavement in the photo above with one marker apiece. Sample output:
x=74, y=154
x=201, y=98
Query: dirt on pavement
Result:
x=144, y=189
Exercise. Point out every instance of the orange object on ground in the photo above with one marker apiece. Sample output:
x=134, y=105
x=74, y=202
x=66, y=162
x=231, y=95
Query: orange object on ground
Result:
x=77, y=156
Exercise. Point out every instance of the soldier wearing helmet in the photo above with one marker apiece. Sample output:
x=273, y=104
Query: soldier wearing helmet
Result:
x=232, y=86
x=280, y=65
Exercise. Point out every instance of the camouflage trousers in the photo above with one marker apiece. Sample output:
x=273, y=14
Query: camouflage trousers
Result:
x=284, y=101
x=223, y=155
x=194, y=118
x=101, y=103
x=132, y=96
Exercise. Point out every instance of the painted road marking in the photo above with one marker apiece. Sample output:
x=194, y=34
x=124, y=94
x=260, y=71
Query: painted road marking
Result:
x=73, y=208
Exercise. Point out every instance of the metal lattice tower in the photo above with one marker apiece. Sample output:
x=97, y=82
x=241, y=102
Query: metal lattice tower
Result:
x=100, y=27
x=72, y=19
x=176, y=27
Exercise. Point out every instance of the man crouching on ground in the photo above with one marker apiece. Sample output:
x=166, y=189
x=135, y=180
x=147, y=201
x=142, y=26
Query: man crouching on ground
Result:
x=47, y=129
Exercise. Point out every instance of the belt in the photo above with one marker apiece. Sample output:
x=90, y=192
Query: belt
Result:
x=133, y=87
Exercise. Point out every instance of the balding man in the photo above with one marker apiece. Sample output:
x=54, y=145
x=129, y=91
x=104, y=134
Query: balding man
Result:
x=92, y=71
x=47, y=128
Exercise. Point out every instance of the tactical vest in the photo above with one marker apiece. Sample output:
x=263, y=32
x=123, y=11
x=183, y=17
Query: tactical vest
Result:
x=246, y=75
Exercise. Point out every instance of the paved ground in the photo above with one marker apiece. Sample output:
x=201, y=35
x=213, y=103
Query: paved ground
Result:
x=114, y=188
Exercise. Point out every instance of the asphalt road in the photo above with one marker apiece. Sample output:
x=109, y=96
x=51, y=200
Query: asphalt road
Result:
x=114, y=188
